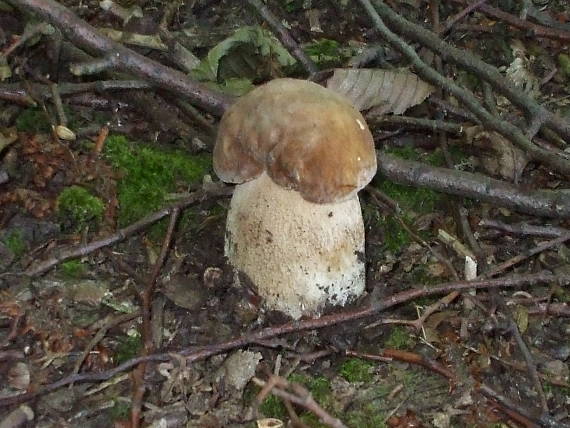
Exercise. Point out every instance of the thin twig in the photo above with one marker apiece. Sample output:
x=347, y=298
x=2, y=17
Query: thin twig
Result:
x=526, y=418
x=450, y=22
x=284, y=36
x=501, y=267
x=534, y=29
x=56, y=98
x=407, y=357
x=138, y=376
x=524, y=228
x=40, y=268
x=199, y=353
x=530, y=364
x=301, y=397
x=486, y=71
x=100, y=335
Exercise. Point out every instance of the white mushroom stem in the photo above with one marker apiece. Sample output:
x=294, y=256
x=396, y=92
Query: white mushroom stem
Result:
x=299, y=255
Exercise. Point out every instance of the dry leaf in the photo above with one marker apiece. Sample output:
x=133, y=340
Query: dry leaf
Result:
x=497, y=155
x=388, y=91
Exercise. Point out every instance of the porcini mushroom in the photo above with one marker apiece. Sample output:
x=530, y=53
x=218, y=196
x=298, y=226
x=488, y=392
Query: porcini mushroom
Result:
x=299, y=153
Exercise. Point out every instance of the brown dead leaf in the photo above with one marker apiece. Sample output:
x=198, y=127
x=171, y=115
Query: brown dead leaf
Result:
x=33, y=202
x=409, y=420
x=437, y=318
x=47, y=158
x=436, y=270
x=497, y=155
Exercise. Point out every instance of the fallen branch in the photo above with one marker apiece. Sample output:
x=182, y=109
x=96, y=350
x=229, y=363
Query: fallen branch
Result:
x=472, y=63
x=291, y=45
x=415, y=123
x=14, y=91
x=139, y=387
x=123, y=59
x=42, y=267
x=199, y=353
x=535, y=30
x=536, y=114
x=299, y=395
x=546, y=203
x=525, y=228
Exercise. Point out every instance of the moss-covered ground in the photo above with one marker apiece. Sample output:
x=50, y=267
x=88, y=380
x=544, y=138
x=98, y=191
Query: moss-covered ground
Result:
x=72, y=269
x=413, y=201
x=370, y=402
x=14, y=241
x=150, y=174
x=79, y=208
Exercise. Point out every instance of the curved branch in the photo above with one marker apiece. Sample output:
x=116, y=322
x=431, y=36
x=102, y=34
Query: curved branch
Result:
x=471, y=63
x=429, y=74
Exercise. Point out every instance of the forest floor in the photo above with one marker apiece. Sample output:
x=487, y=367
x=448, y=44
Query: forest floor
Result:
x=118, y=307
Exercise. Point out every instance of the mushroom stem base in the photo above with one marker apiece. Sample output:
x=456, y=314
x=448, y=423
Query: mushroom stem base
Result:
x=299, y=255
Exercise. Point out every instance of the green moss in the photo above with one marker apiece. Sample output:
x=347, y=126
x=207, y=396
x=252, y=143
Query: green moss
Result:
x=273, y=407
x=79, y=208
x=418, y=200
x=120, y=411
x=412, y=200
x=356, y=370
x=319, y=387
x=72, y=269
x=420, y=275
x=128, y=348
x=150, y=174
x=399, y=338
x=325, y=52
x=368, y=417
x=292, y=5
x=564, y=62
x=33, y=120
x=311, y=420
x=15, y=242
x=395, y=236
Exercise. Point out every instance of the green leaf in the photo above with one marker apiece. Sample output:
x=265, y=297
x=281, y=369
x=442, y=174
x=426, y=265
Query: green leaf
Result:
x=245, y=54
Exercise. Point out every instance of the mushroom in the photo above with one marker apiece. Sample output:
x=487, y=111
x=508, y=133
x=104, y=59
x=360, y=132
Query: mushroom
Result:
x=299, y=154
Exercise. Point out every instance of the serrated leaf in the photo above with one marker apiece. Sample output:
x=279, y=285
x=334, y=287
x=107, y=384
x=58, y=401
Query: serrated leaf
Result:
x=389, y=91
x=246, y=48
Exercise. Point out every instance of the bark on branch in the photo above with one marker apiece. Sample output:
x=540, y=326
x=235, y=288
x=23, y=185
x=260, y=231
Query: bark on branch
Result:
x=508, y=130
x=88, y=38
x=547, y=203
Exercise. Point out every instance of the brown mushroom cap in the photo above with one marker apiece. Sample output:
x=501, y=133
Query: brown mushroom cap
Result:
x=306, y=137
